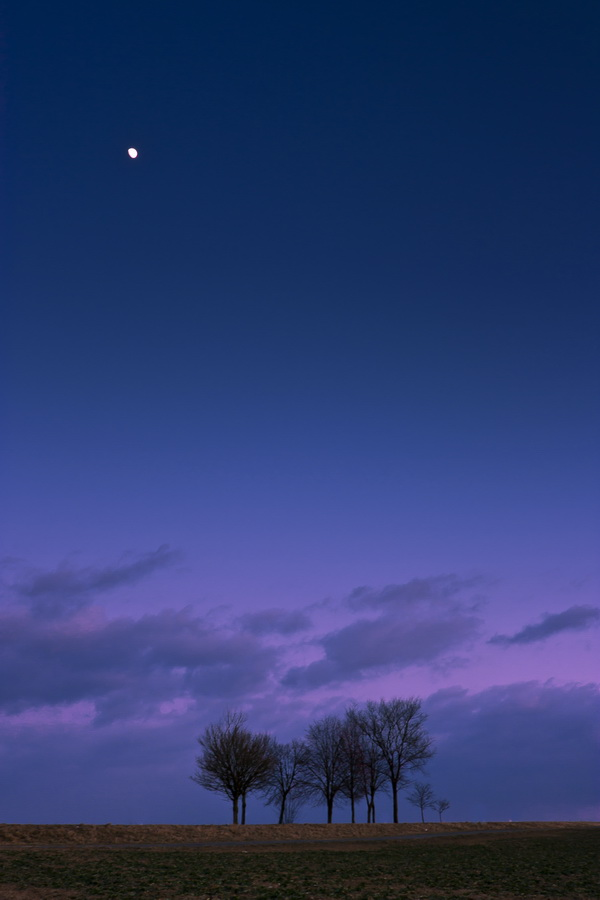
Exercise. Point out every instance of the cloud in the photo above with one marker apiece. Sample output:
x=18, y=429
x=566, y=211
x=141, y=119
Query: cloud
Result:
x=576, y=618
x=388, y=642
x=125, y=666
x=275, y=621
x=59, y=649
x=518, y=751
x=410, y=624
x=66, y=588
x=435, y=589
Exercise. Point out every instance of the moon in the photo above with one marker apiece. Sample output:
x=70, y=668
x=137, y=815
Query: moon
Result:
x=132, y=152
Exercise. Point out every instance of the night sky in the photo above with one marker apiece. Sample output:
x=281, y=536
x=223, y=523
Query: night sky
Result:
x=301, y=406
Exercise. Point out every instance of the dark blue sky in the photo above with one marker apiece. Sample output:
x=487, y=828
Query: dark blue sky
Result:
x=336, y=326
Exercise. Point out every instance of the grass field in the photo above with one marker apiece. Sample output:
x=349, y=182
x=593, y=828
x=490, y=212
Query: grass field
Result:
x=554, y=865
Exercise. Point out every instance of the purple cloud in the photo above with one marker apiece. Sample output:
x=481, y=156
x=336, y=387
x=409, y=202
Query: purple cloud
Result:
x=125, y=666
x=434, y=589
x=576, y=618
x=67, y=588
x=384, y=643
x=275, y=621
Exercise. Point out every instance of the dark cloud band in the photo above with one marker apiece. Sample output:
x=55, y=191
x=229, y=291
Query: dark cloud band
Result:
x=576, y=618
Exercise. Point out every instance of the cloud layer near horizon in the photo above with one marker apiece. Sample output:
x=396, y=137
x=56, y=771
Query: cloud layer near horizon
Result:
x=520, y=751
x=68, y=664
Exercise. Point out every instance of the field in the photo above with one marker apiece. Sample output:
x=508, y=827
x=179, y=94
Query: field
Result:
x=552, y=861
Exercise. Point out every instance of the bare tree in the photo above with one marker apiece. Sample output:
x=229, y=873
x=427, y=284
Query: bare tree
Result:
x=372, y=774
x=234, y=761
x=324, y=769
x=397, y=729
x=374, y=777
x=421, y=795
x=440, y=807
x=285, y=787
x=353, y=742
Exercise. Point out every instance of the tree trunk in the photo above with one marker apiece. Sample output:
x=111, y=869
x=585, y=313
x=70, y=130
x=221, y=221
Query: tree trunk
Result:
x=243, y=809
x=422, y=815
x=282, y=811
x=235, y=810
x=395, y=802
x=352, y=808
x=329, y=810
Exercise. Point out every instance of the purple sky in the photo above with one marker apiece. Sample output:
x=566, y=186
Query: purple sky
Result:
x=301, y=405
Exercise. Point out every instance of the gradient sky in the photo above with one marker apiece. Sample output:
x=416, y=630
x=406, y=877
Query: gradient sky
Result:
x=301, y=405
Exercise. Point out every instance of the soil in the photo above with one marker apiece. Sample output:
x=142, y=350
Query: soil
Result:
x=210, y=834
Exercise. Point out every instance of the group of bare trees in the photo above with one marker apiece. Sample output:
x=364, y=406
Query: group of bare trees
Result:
x=373, y=748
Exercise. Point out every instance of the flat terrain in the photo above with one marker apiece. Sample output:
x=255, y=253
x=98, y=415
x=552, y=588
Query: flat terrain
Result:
x=185, y=834
x=538, y=861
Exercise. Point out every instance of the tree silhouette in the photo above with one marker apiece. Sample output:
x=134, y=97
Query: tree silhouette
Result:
x=372, y=775
x=234, y=761
x=440, y=807
x=353, y=747
x=325, y=766
x=421, y=795
x=284, y=786
x=397, y=728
